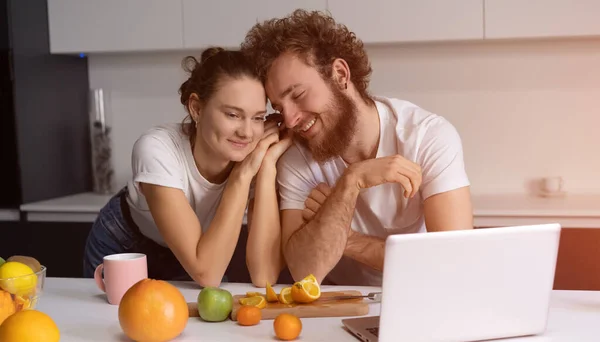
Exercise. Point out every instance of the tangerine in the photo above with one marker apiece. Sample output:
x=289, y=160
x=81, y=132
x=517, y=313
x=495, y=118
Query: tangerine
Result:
x=153, y=311
x=287, y=326
x=249, y=315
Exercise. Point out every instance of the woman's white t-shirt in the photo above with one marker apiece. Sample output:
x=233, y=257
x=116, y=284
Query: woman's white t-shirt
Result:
x=163, y=156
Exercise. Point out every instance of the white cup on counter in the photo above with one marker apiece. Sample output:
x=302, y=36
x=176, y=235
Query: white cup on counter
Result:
x=553, y=185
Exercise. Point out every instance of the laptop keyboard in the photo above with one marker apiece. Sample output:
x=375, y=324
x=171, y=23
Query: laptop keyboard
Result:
x=374, y=331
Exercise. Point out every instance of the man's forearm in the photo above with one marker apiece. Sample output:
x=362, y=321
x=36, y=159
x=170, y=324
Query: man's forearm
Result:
x=367, y=250
x=317, y=246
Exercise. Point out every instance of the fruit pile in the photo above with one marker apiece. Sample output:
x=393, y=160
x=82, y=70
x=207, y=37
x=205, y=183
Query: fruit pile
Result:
x=19, y=284
x=155, y=310
x=21, y=281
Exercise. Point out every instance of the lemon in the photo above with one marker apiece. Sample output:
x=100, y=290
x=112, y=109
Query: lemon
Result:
x=23, y=285
x=29, y=326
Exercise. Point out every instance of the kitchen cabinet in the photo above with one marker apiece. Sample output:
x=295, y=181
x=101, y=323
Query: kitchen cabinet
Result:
x=205, y=24
x=541, y=18
x=115, y=25
x=386, y=21
x=43, y=112
x=578, y=261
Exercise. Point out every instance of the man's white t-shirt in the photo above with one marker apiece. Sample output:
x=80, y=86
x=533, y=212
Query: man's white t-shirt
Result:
x=405, y=129
x=163, y=156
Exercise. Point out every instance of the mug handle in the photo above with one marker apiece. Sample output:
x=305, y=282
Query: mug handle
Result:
x=98, y=277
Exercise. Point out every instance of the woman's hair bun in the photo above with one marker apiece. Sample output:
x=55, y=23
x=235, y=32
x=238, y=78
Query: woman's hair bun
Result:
x=210, y=52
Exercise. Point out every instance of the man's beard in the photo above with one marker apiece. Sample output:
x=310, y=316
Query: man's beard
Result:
x=339, y=125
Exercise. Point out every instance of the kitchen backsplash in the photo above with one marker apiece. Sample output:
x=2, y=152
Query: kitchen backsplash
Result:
x=524, y=109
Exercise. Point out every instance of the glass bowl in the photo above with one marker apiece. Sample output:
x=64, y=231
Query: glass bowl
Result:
x=21, y=292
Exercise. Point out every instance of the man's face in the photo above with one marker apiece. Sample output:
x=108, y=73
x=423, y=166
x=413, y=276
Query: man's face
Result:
x=322, y=116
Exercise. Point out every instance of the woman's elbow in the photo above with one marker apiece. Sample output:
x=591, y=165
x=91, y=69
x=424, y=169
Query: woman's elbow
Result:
x=205, y=280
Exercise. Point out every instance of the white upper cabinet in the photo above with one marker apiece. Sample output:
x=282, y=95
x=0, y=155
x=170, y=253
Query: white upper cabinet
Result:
x=114, y=25
x=391, y=21
x=541, y=18
x=225, y=23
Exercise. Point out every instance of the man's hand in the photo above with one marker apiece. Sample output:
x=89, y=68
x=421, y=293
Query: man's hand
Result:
x=391, y=169
x=315, y=200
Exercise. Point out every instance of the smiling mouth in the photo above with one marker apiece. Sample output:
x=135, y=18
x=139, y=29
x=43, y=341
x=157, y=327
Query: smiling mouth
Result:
x=239, y=144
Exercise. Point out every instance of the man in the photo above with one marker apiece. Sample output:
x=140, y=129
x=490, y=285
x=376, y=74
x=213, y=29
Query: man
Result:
x=393, y=167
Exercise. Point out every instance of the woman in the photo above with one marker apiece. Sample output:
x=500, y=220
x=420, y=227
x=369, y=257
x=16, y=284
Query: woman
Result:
x=192, y=182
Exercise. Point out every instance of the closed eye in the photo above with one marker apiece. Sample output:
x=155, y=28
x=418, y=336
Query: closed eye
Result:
x=260, y=118
x=297, y=96
x=232, y=115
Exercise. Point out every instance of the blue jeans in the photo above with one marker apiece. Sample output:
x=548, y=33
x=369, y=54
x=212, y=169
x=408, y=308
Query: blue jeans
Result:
x=114, y=232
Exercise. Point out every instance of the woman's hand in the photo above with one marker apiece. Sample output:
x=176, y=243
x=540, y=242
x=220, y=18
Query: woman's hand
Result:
x=269, y=147
x=285, y=140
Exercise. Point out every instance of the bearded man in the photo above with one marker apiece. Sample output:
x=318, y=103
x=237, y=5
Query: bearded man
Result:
x=362, y=166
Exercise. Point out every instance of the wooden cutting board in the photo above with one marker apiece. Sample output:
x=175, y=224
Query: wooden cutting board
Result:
x=319, y=308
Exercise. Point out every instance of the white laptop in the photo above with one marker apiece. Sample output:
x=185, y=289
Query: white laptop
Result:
x=464, y=285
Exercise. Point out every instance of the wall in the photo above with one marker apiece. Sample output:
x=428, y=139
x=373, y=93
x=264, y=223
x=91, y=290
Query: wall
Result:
x=524, y=109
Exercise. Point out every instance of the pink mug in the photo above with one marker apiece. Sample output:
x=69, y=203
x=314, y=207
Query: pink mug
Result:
x=121, y=271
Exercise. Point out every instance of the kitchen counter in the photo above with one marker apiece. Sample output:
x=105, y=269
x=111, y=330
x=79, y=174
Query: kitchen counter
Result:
x=82, y=313
x=572, y=211
x=82, y=207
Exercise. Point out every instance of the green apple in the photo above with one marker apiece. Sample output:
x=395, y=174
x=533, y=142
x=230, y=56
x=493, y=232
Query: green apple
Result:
x=2, y=261
x=214, y=304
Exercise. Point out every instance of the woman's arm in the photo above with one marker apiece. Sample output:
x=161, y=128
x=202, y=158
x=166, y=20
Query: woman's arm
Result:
x=205, y=257
x=264, y=256
x=263, y=250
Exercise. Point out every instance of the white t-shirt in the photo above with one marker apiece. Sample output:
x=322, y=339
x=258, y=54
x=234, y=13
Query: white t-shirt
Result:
x=405, y=129
x=163, y=156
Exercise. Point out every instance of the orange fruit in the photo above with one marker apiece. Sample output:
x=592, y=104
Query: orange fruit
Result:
x=271, y=295
x=287, y=326
x=7, y=306
x=153, y=311
x=285, y=296
x=29, y=326
x=257, y=301
x=306, y=290
x=248, y=315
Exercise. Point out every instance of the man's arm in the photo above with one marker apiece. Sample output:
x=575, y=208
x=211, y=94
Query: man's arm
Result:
x=368, y=250
x=450, y=210
x=317, y=246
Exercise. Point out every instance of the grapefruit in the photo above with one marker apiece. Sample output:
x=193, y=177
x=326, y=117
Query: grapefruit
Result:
x=153, y=311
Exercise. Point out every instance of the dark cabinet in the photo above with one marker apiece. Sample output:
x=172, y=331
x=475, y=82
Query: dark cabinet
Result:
x=43, y=110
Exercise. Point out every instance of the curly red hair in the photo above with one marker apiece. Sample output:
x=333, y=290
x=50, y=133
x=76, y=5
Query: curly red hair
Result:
x=316, y=38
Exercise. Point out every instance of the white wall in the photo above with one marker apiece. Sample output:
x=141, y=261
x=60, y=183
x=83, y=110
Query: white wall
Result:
x=524, y=109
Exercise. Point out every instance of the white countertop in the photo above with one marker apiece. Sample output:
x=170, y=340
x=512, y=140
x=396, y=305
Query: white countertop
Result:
x=572, y=211
x=82, y=314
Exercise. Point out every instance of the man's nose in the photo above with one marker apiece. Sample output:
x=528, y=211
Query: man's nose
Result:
x=291, y=117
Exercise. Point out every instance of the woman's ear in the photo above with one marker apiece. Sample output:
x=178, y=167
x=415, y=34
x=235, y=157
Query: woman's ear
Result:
x=195, y=107
x=341, y=73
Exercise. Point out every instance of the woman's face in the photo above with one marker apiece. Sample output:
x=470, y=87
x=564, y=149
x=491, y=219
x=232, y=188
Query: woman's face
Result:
x=232, y=121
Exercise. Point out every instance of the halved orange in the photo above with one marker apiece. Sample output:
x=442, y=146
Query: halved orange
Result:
x=271, y=295
x=285, y=296
x=258, y=301
x=306, y=290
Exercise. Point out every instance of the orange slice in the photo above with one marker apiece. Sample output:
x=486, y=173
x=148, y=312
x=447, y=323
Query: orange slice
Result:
x=285, y=296
x=253, y=294
x=306, y=290
x=258, y=301
x=271, y=295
